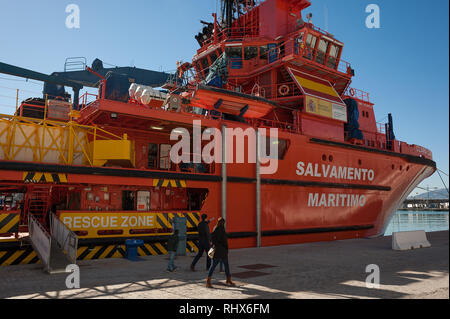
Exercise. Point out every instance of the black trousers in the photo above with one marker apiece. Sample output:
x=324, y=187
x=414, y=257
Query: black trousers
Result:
x=203, y=246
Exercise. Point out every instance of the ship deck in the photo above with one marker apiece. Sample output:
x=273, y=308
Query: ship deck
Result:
x=316, y=270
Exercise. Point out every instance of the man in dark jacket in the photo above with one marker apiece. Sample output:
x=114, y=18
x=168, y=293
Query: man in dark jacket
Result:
x=172, y=249
x=204, y=239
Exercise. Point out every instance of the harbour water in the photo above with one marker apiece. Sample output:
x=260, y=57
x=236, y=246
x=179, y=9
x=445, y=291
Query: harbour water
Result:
x=418, y=220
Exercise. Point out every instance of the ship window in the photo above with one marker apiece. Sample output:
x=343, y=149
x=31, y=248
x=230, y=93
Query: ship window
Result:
x=235, y=56
x=196, y=198
x=164, y=156
x=311, y=41
x=263, y=52
x=234, y=52
x=128, y=200
x=322, y=50
x=152, y=156
x=250, y=53
x=332, y=59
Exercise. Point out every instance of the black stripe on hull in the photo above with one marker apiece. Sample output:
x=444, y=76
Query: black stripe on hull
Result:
x=307, y=231
x=149, y=174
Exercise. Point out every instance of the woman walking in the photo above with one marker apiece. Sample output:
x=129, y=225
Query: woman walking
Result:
x=220, y=245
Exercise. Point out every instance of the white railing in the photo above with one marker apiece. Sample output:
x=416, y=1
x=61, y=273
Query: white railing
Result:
x=41, y=241
x=66, y=239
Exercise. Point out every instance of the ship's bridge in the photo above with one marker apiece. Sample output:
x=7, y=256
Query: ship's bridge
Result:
x=264, y=39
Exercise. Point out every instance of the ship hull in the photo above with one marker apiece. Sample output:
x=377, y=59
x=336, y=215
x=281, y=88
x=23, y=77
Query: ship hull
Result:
x=298, y=209
x=320, y=192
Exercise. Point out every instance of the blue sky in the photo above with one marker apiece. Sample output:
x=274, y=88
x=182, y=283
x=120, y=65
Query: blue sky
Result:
x=403, y=65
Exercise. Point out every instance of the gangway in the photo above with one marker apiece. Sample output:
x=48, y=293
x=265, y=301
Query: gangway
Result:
x=56, y=249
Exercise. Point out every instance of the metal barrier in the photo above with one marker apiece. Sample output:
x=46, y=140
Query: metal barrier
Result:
x=66, y=239
x=41, y=241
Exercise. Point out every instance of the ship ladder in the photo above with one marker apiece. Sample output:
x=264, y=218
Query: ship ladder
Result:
x=36, y=203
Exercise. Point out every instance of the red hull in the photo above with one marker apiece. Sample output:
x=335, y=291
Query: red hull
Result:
x=313, y=196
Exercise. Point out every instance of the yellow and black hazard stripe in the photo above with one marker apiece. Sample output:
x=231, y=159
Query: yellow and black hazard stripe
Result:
x=169, y=183
x=9, y=223
x=18, y=257
x=33, y=177
x=164, y=220
x=100, y=252
x=93, y=252
x=28, y=256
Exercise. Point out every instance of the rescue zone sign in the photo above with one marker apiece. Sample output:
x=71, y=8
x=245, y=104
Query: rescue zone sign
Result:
x=84, y=221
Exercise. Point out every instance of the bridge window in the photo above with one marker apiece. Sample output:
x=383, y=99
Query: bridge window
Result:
x=250, y=53
x=311, y=41
x=334, y=54
x=235, y=56
x=310, y=46
x=234, y=52
x=263, y=52
x=321, y=51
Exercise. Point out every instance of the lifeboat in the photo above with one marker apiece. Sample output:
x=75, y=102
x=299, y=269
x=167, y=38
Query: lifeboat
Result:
x=235, y=103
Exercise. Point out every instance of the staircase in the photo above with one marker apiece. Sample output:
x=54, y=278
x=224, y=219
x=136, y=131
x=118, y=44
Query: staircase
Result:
x=37, y=201
x=56, y=248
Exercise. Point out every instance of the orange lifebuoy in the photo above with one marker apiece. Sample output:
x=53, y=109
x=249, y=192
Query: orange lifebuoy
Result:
x=352, y=92
x=283, y=90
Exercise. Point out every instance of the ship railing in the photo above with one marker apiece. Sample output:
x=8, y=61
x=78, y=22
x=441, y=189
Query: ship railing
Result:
x=50, y=141
x=283, y=126
x=178, y=165
x=233, y=33
x=278, y=52
x=357, y=94
x=276, y=91
x=381, y=128
x=39, y=107
x=86, y=99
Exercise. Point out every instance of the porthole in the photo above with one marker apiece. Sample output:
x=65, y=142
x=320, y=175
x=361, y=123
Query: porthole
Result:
x=330, y=158
x=324, y=157
x=393, y=166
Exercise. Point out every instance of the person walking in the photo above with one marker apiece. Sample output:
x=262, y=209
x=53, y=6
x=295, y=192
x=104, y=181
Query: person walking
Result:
x=220, y=246
x=204, y=239
x=172, y=245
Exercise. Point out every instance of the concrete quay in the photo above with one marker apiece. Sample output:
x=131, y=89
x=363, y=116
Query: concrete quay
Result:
x=308, y=271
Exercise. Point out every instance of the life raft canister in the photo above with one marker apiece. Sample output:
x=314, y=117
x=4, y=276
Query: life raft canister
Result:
x=283, y=90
